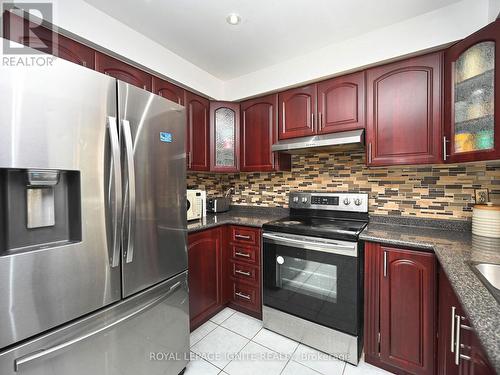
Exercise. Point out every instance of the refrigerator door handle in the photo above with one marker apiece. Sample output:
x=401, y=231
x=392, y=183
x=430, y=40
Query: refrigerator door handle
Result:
x=24, y=361
x=130, y=188
x=115, y=178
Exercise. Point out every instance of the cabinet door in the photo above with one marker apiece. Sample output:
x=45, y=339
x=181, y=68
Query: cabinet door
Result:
x=475, y=361
x=198, y=132
x=47, y=41
x=224, y=136
x=407, y=310
x=122, y=71
x=471, y=97
x=205, y=279
x=449, y=308
x=471, y=360
x=341, y=103
x=297, y=110
x=258, y=133
x=168, y=90
x=403, y=124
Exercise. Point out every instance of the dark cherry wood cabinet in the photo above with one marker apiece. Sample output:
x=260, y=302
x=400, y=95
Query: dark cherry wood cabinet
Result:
x=205, y=275
x=198, y=132
x=400, y=309
x=465, y=357
x=122, y=71
x=243, y=285
x=341, y=103
x=258, y=133
x=330, y=106
x=404, y=112
x=168, y=90
x=297, y=112
x=472, y=98
x=224, y=270
x=45, y=40
x=224, y=136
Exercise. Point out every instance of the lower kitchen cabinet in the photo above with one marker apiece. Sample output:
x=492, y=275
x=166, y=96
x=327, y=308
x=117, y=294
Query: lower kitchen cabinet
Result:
x=400, y=309
x=224, y=270
x=205, y=275
x=459, y=349
x=243, y=280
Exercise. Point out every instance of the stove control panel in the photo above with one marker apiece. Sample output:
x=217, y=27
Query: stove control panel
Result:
x=349, y=202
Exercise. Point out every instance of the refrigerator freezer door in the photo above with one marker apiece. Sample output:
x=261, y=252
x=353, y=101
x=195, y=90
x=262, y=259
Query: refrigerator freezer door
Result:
x=145, y=334
x=152, y=133
x=58, y=117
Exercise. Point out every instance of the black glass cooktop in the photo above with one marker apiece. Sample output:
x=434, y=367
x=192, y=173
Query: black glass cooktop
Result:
x=318, y=227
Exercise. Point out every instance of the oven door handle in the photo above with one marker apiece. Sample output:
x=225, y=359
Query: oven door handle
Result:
x=329, y=247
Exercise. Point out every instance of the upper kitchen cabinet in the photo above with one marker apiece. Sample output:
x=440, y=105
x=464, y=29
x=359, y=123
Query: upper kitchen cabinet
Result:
x=471, y=96
x=404, y=117
x=122, y=71
x=47, y=41
x=168, y=90
x=297, y=109
x=341, y=103
x=198, y=132
x=224, y=136
x=258, y=133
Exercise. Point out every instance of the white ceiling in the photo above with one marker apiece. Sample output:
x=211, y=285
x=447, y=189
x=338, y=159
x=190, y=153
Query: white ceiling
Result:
x=271, y=31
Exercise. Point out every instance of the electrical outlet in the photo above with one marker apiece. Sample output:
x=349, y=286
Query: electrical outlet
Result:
x=482, y=196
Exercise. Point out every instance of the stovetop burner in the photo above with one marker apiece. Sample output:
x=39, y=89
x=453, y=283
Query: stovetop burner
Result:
x=318, y=227
x=329, y=215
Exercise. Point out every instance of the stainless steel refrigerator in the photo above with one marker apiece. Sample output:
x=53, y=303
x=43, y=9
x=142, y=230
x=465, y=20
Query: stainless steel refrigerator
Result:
x=93, y=255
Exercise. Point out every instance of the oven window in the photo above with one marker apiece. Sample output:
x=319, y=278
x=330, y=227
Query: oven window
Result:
x=309, y=278
x=318, y=286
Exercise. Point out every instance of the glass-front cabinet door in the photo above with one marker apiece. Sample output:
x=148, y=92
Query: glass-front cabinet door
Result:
x=472, y=99
x=225, y=126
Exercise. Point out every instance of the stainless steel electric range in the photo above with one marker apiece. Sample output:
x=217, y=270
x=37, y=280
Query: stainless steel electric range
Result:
x=313, y=280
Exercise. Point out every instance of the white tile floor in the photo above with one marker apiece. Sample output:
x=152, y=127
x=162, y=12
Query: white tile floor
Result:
x=236, y=344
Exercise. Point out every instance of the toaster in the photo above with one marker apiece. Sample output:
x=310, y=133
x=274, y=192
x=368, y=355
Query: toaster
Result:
x=218, y=204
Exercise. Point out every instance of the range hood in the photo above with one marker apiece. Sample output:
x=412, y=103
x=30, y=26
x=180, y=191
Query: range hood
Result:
x=348, y=140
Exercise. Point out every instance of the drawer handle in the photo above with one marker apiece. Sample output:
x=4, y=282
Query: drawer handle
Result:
x=240, y=254
x=242, y=272
x=242, y=295
x=242, y=237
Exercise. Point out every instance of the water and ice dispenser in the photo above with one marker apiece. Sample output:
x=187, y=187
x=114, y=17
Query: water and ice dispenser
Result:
x=39, y=208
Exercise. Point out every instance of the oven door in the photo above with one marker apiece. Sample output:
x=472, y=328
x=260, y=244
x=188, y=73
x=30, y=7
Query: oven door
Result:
x=312, y=278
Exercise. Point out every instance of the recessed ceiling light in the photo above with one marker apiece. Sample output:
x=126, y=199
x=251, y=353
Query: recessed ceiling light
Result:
x=233, y=19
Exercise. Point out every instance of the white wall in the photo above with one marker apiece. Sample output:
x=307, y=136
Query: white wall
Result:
x=494, y=9
x=82, y=19
x=429, y=30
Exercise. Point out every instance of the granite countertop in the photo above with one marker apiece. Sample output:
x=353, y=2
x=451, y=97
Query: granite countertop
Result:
x=454, y=250
x=239, y=215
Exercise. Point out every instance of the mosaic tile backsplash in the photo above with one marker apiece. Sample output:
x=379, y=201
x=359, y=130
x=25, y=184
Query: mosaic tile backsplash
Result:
x=437, y=191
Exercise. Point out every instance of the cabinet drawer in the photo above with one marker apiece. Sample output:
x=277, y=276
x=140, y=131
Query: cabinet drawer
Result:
x=245, y=253
x=246, y=296
x=244, y=272
x=245, y=235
